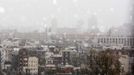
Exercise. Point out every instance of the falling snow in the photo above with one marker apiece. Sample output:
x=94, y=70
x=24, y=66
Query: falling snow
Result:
x=2, y=10
x=54, y=2
x=75, y=1
x=112, y=9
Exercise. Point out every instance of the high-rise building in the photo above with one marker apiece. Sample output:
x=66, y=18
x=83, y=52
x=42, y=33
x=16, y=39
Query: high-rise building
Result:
x=92, y=22
x=92, y=25
x=79, y=25
x=54, y=24
x=0, y=63
x=131, y=28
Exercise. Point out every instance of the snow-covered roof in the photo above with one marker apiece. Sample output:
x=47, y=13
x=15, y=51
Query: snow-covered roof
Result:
x=67, y=65
x=57, y=55
x=50, y=65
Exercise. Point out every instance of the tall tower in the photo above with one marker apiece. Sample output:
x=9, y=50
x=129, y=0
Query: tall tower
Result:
x=131, y=53
x=131, y=17
x=54, y=24
x=92, y=25
x=79, y=25
x=132, y=11
x=92, y=22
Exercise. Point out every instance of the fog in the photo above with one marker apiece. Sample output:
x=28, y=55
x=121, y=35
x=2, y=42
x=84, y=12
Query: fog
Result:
x=29, y=15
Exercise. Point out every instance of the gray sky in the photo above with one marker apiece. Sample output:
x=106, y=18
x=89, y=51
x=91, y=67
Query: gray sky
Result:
x=31, y=14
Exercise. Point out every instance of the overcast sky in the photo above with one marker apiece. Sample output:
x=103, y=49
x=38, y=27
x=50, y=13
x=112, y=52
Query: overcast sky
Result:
x=32, y=14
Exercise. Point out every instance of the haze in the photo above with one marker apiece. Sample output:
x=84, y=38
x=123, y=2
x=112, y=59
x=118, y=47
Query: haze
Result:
x=29, y=15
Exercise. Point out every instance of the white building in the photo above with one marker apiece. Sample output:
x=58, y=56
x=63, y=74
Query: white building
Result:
x=116, y=41
x=30, y=65
x=10, y=42
x=33, y=65
x=6, y=55
x=48, y=57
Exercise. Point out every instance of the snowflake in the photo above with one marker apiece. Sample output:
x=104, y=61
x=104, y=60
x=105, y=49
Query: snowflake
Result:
x=2, y=10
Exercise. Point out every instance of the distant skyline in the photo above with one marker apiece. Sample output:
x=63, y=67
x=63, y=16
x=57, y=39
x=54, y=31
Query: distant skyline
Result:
x=29, y=15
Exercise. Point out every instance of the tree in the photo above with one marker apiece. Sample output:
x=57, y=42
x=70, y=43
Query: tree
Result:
x=92, y=62
x=103, y=63
x=108, y=63
x=75, y=60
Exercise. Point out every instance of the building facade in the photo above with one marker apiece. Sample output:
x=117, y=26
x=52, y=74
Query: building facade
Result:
x=66, y=58
x=28, y=63
x=23, y=60
x=33, y=65
x=116, y=41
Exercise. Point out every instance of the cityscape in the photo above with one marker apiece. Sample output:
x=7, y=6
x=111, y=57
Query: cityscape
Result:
x=66, y=44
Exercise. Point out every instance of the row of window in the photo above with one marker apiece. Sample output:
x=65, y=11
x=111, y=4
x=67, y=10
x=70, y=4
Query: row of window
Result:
x=125, y=41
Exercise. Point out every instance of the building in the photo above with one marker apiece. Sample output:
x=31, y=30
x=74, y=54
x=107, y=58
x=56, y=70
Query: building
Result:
x=119, y=41
x=23, y=60
x=27, y=63
x=6, y=55
x=48, y=57
x=66, y=57
x=57, y=59
x=54, y=24
x=131, y=62
x=0, y=63
x=33, y=65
